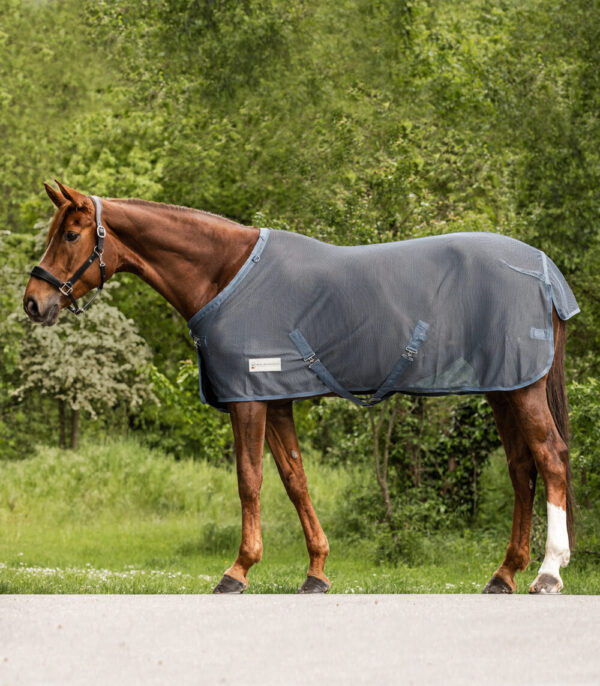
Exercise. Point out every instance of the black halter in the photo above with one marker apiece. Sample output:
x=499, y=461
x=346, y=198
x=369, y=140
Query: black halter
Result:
x=66, y=288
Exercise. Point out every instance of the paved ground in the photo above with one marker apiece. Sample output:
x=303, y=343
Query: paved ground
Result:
x=279, y=640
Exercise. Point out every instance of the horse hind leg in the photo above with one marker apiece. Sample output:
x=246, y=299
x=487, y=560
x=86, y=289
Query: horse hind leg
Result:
x=551, y=455
x=523, y=473
x=283, y=442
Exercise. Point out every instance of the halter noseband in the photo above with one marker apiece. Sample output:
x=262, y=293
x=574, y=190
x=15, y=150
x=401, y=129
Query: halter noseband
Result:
x=66, y=288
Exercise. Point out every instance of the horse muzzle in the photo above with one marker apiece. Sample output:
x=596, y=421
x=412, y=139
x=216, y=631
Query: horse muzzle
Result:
x=42, y=312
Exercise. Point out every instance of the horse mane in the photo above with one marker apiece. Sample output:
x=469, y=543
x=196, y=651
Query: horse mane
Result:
x=176, y=208
x=60, y=213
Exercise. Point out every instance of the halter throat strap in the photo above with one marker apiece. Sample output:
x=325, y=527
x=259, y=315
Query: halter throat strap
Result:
x=66, y=287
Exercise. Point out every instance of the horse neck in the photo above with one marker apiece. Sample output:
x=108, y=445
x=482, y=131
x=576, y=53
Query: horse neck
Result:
x=185, y=255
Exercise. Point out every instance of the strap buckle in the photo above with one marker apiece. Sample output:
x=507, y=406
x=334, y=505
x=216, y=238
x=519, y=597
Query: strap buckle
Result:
x=101, y=231
x=66, y=289
x=311, y=359
x=409, y=353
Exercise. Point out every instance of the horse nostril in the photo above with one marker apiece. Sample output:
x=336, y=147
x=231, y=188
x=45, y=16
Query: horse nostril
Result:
x=32, y=306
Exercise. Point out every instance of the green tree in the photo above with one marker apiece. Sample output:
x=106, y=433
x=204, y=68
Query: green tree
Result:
x=16, y=422
x=585, y=420
x=180, y=424
x=353, y=121
x=50, y=76
x=92, y=364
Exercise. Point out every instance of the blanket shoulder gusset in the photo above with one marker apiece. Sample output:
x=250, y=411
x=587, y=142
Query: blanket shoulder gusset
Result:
x=458, y=313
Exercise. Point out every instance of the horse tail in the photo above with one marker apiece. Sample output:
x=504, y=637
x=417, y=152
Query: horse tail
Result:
x=556, y=395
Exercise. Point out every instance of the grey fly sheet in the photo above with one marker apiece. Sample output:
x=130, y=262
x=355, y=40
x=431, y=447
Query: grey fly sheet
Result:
x=460, y=313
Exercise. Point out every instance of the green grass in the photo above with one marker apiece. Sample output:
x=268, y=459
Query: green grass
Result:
x=119, y=518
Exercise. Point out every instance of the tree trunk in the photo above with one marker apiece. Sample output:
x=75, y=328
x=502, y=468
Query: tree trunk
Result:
x=475, y=486
x=416, y=452
x=584, y=482
x=382, y=460
x=74, y=428
x=62, y=437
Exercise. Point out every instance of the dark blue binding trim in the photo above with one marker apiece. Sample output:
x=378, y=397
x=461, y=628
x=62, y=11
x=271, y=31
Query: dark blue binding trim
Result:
x=387, y=387
x=207, y=395
x=219, y=299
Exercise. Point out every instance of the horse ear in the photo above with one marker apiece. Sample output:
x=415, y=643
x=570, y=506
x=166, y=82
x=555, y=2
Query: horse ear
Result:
x=55, y=196
x=78, y=199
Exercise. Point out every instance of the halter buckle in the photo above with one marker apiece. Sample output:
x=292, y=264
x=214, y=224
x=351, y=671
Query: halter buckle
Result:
x=101, y=231
x=66, y=289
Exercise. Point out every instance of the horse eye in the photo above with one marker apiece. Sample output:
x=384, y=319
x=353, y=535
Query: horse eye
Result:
x=71, y=236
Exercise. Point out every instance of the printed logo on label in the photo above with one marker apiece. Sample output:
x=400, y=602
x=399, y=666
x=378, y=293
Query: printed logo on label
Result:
x=265, y=364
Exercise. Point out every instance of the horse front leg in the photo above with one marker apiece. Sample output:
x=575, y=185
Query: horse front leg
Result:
x=283, y=442
x=248, y=421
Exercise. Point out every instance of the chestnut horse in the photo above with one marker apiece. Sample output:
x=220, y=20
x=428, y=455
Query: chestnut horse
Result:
x=189, y=257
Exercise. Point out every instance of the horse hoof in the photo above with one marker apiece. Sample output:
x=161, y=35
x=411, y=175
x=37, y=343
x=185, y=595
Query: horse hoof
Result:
x=497, y=585
x=314, y=585
x=229, y=585
x=546, y=583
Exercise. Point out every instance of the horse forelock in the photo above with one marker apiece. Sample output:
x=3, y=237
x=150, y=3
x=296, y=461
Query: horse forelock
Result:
x=57, y=220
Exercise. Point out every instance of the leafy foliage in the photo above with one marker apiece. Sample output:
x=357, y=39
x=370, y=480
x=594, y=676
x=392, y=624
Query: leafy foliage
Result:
x=354, y=122
x=437, y=457
x=179, y=423
x=93, y=364
x=585, y=420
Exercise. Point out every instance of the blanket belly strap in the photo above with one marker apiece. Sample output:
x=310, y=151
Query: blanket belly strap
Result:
x=314, y=364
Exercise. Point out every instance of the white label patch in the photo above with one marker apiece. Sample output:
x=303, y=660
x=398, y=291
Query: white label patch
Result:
x=265, y=364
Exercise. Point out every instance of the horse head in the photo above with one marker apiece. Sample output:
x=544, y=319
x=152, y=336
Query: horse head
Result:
x=74, y=242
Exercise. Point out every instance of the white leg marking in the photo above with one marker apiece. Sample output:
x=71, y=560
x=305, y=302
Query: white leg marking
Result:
x=557, y=543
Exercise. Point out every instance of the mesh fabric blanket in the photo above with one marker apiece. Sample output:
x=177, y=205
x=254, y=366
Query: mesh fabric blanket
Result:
x=460, y=313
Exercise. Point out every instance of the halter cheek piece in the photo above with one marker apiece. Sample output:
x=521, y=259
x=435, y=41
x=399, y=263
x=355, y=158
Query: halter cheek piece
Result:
x=66, y=288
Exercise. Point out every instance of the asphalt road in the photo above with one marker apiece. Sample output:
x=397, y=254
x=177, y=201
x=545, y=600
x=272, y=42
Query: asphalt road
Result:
x=279, y=640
